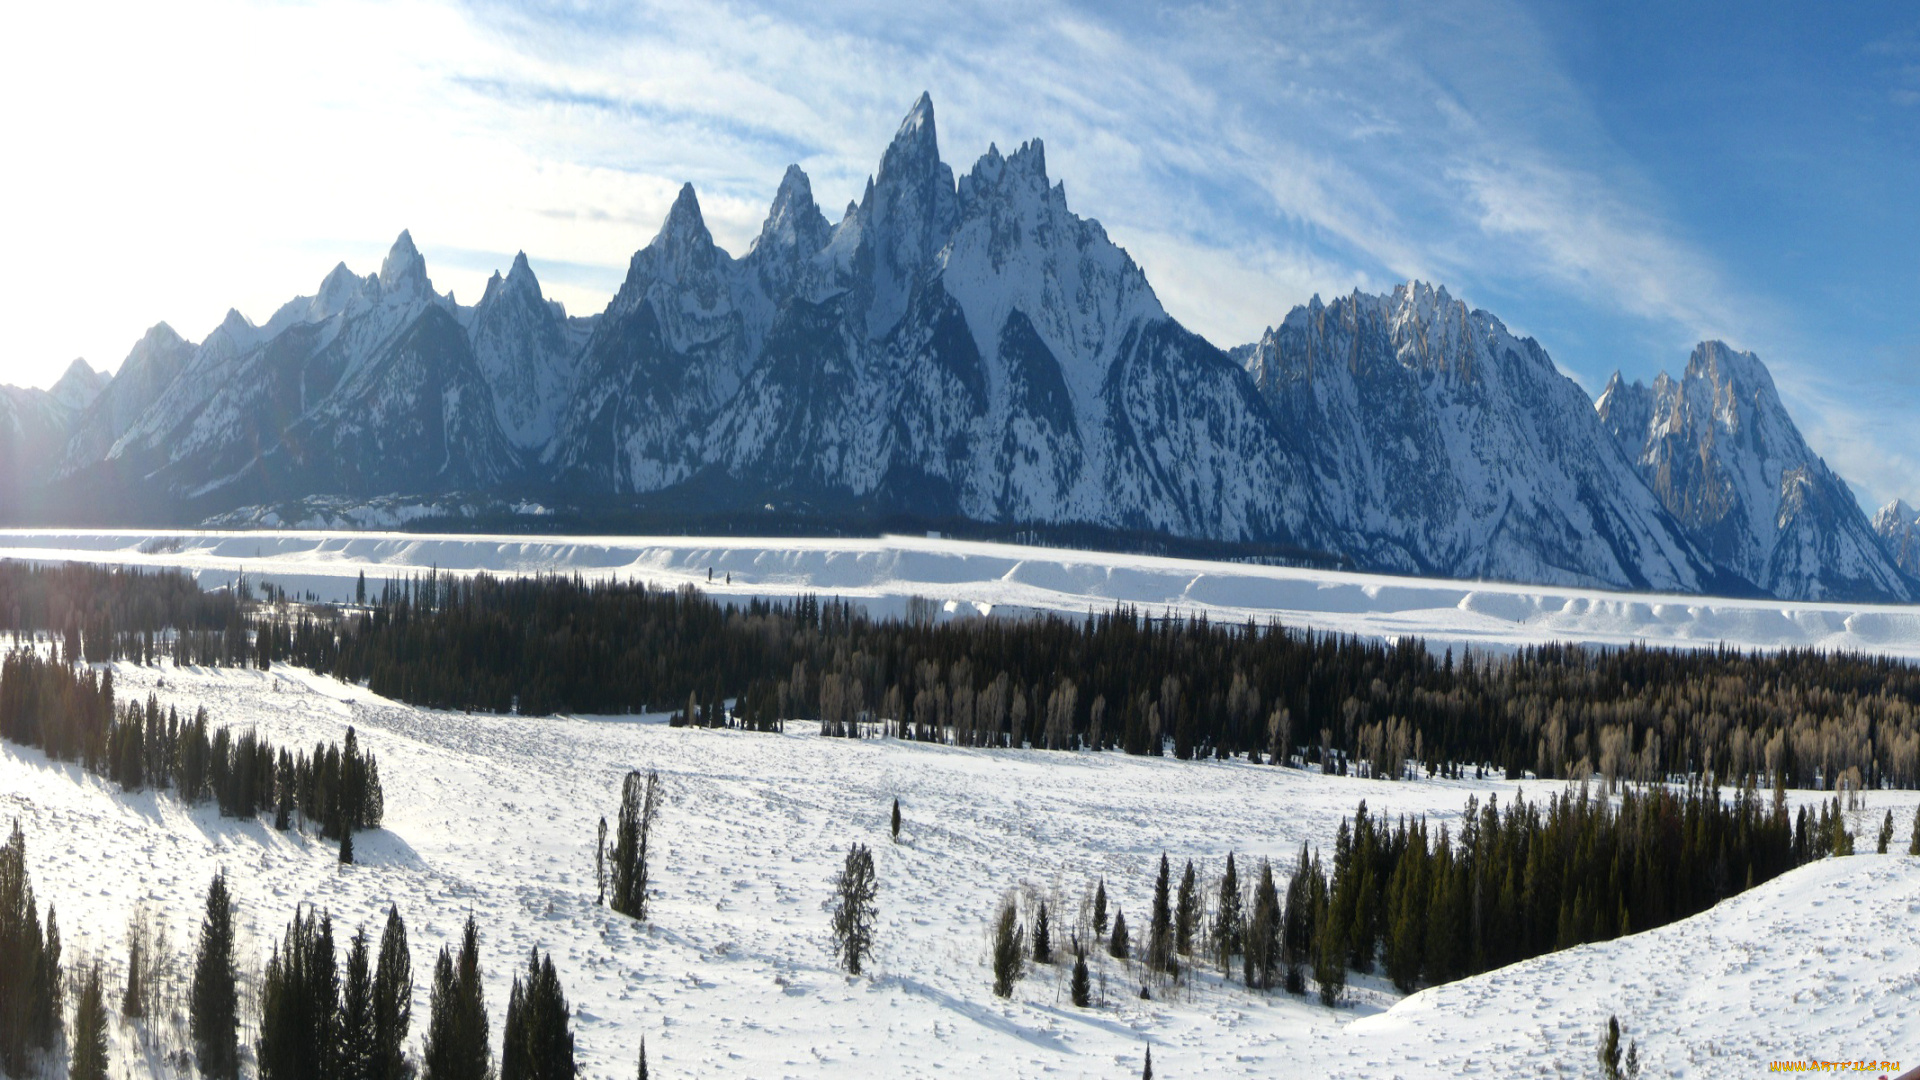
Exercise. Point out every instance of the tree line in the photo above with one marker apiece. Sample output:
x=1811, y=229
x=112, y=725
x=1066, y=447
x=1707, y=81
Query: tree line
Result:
x=1121, y=679
x=69, y=712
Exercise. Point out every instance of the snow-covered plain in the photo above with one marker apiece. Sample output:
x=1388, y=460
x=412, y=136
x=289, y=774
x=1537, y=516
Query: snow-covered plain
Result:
x=733, y=976
x=973, y=578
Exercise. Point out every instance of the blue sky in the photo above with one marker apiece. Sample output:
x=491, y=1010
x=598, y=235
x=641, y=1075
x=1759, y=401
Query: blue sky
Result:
x=1619, y=181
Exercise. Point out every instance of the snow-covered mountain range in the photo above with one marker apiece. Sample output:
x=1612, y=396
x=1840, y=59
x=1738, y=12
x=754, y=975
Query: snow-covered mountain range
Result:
x=971, y=349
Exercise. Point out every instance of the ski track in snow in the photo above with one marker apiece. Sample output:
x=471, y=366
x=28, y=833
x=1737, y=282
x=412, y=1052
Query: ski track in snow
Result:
x=733, y=975
x=978, y=578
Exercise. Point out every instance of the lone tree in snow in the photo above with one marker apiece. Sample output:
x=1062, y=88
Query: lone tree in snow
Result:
x=639, y=803
x=896, y=818
x=600, y=861
x=853, y=910
x=1042, y=936
x=1009, y=948
x=1886, y=832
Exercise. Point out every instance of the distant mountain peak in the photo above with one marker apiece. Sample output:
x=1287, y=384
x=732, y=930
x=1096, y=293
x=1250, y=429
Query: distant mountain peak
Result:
x=404, y=272
x=79, y=385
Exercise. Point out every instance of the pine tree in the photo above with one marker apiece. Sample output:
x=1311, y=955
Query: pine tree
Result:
x=1009, y=948
x=346, y=846
x=1296, y=925
x=1330, y=946
x=1100, y=908
x=537, y=1042
x=639, y=803
x=1609, y=1052
x=1082, y=987
x=29, y=968
x=359, y=1037
x=643, y=1058
x=1147, y=1072
x=1160, y=928
x=1227, y=927
x=1262, y=959
x=1913, y=842
x=133, y=1001
x=1120, y=946
x=457, y=1043
x=1042, y=936
x=896, y=818
x=89, y=1061
x=1886, y=832
x=214, y=1011
x=301, y=1036
x=853, y=911
x=1186, y=913
x=392, y=1001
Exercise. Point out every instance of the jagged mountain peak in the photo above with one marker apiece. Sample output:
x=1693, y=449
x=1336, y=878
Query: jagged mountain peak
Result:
x=794, y=223
x=404, y=271
x=684, y=226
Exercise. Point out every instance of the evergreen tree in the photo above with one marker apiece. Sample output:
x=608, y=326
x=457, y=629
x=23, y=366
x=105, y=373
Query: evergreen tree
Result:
x=1042, y=936
x=1296, y=925
x=1609, y=1052
x=214, y=1009
x=1082, y=988
x=133, y=1000
x=89, y=1061
x=1227, y=927
x=392, y=1001
x=1147, y=1072
x=1100, y=908
x=537, y=1042
x=1186, y=912
x=896, y=818
x=1009, y=948
x=301, y=1035
x=457, y=1043
x=643, y=1058
x=1330, y=946
x=29, y=964
x=1160, y=928
x=1262, y=957
x=853, y=911
x=359, y=1037
x=1913, y=841
x=346, y=846
x=639, y=803
x=1886, y=832
x=1120, y=946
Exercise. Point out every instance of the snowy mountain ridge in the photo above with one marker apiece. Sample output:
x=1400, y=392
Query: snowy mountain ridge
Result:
x=959, y=348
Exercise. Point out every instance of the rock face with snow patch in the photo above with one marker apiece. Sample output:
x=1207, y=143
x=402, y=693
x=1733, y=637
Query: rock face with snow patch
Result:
x=1442, y=444
x=1719, y=450
x=1898, y=526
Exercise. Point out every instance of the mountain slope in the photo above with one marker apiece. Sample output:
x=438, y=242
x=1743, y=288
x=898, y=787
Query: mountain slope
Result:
x=1898, y=526
x=1719, y=450
x=1441, y=444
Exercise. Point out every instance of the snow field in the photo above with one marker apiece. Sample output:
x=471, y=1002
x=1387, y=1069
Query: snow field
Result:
x=734, y=977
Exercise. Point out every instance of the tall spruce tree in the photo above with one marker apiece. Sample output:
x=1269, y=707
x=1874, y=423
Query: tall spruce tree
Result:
x=359, y=1036
x=1262, y=958
x=1296, y=925
x=1186, y=912
x=392, y=1001
x=1160, y=928
x=1227, y=922
x=643, y=1058
x=537, y=1042
x=89, y=1060
x=1120, y=944
x=301, y=1036
x=1330, y=943
x=1082, y=986
x=1042, y=935
x=29, y=964
x=1100, y=908
x=214, y=1008
x=1886, y=833
x=458, y=1037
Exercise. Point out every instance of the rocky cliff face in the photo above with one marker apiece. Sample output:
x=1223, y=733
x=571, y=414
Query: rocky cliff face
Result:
x=1721, y=453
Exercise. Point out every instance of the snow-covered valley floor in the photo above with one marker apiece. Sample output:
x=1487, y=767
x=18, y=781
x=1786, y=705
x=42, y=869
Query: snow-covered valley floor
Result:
x=733, y=977
x=967, y=578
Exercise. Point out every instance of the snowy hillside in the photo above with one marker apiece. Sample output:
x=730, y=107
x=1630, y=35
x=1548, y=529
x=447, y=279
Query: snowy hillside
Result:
x=734, y=977
x=970, y=578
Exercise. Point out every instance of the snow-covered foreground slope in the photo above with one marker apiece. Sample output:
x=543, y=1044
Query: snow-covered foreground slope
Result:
x=734, y=978
x=970, y=578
